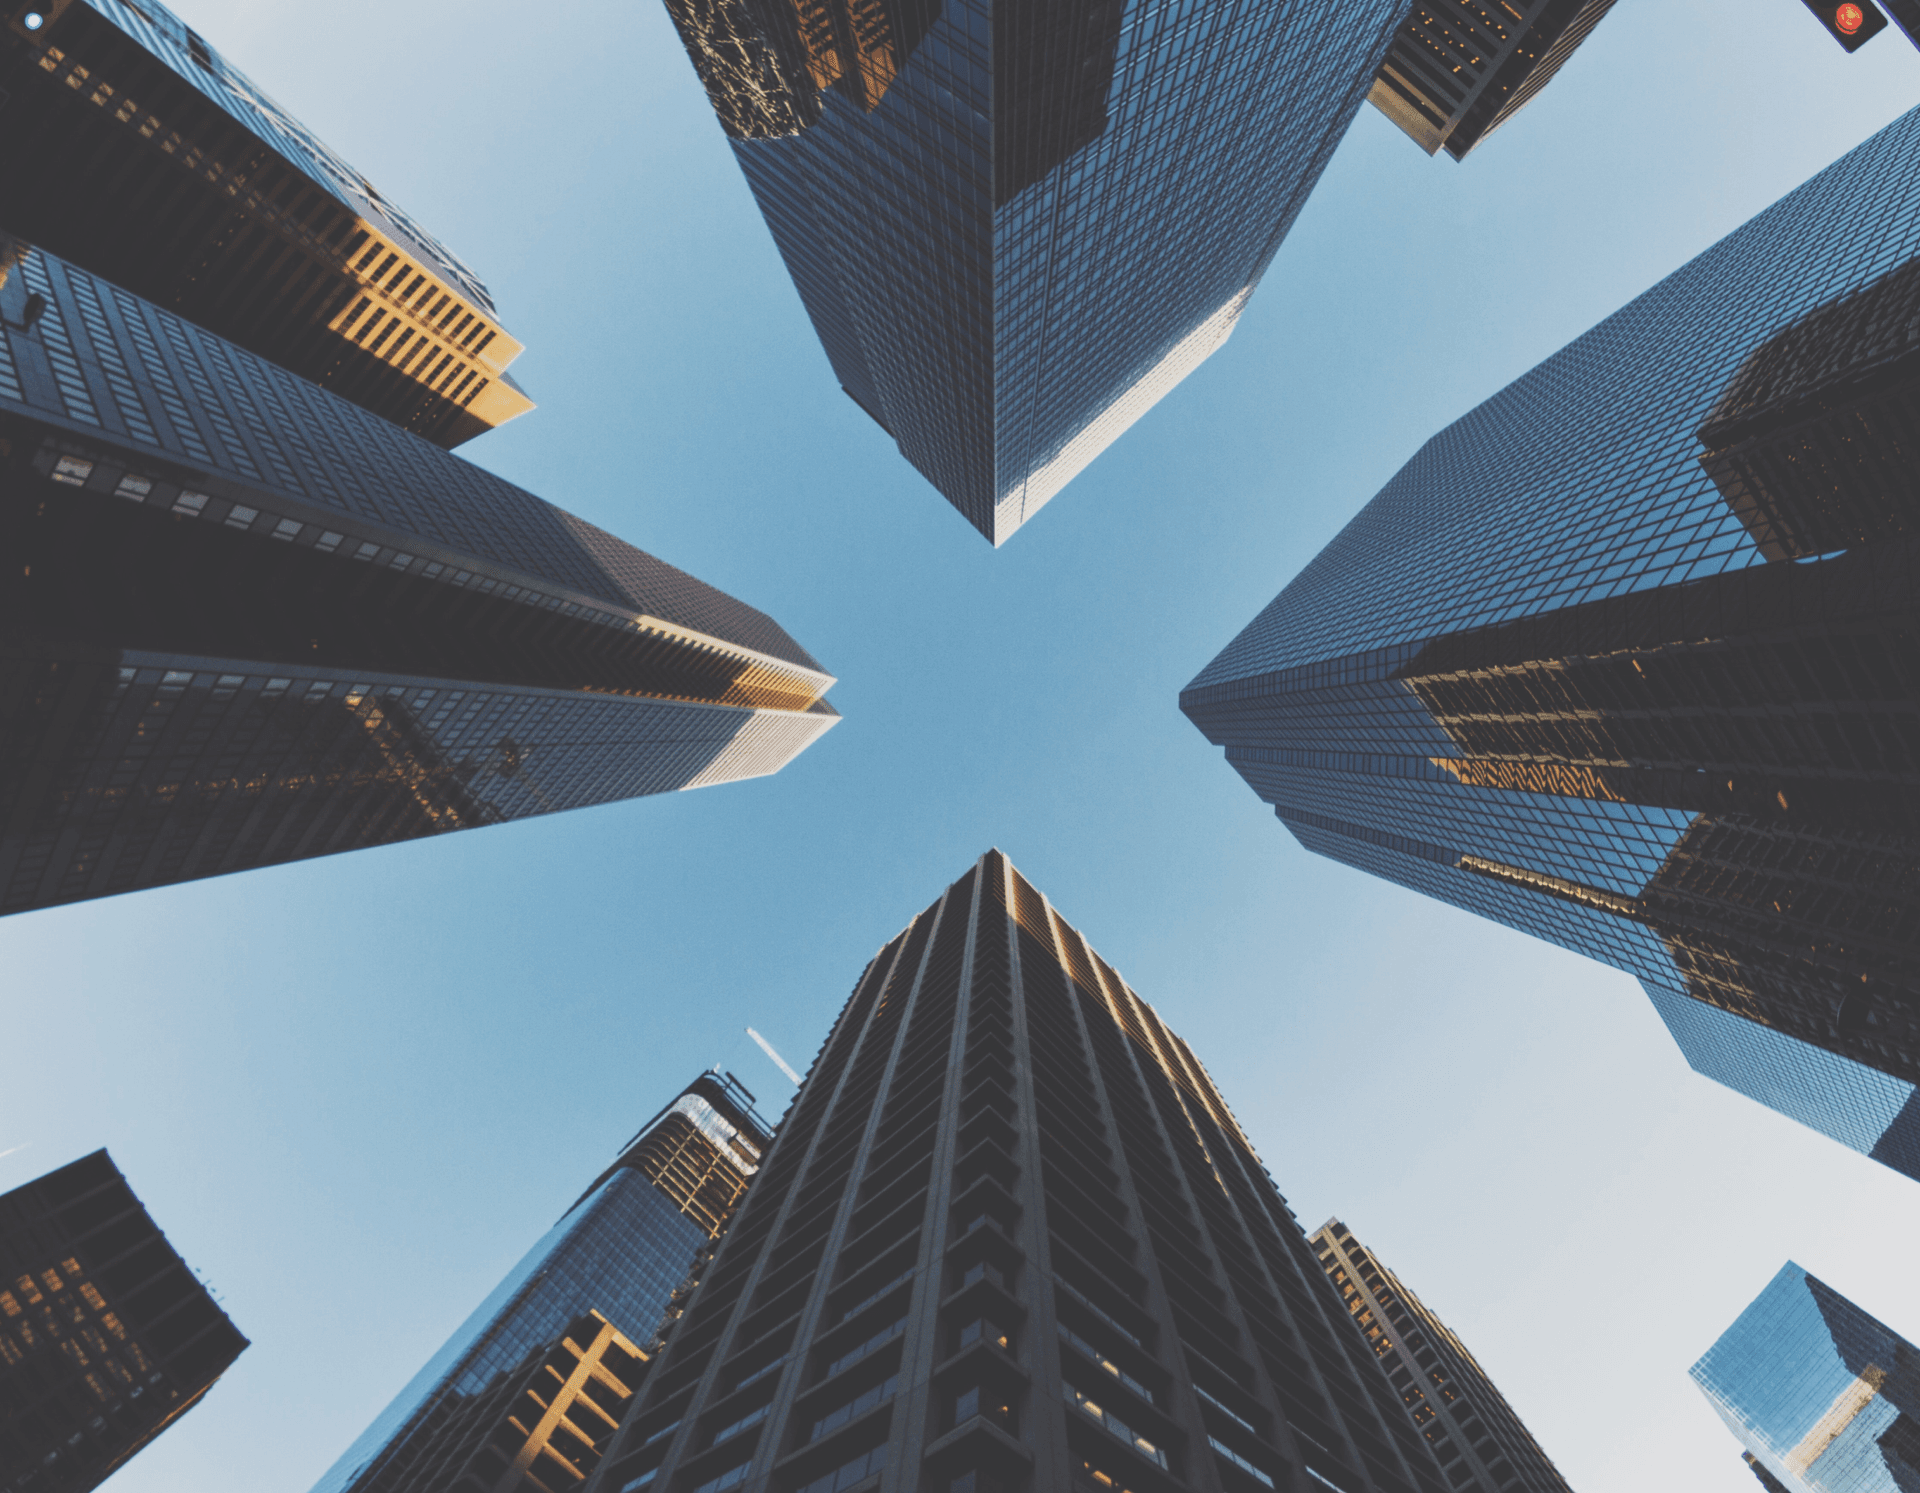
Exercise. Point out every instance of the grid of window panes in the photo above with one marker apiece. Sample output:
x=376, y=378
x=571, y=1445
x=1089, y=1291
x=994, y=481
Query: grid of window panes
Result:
x=1813, y=1387
x=1462, y=1415
x=121, y=368
x=167, y=37
x=1011, y=1235
x=165, y=769
x=985, y=340
x=621, y=1253
x=1581, y=481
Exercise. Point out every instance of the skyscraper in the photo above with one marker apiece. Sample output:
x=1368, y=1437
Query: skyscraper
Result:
x=1016, y=226
x=1824, y=1398
x=106, y=1337
x=1459, y=69
x=533, y=1383
x=1465, y=1420
x=243, y=621
x=1625, y=657
x=1010, y=1236
x=141, y=154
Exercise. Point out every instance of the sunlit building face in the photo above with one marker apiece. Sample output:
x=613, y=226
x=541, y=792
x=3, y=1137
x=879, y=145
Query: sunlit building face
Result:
x=1823, y=1398
x=138, y=152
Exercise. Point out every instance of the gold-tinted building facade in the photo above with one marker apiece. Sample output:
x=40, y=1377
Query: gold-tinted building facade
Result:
x=138, y=152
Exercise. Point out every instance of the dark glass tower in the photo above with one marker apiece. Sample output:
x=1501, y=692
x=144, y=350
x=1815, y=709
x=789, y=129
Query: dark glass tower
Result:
x=1011, y=1237
x=1472, y=1430
x=106, y=1337
x=1459, y=69
x=1626, y=657
x=526, y=1394
x=1017, y=225
x=135, y=150
x=243, y=622
x=1824, y=1398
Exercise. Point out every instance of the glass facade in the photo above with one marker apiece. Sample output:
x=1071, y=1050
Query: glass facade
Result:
x=1623, y=657
x=620, y=1253
x=252, y=622
x=1014, y=226
x=1011, y=1237
x=107, y=1336
x=1823, y=1398
x=206, y=196
x=1466, y=1422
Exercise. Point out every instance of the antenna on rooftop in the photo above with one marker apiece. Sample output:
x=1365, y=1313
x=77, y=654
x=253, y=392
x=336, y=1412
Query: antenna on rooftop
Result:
x=778, y=1061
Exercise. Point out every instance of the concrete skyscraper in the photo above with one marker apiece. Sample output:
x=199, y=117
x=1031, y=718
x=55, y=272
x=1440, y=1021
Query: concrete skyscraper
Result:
x=524, y=1397
x=1459, y=69
x=1823, y=1398
x=244, y=622
x=1626, y=657
x=1467, y=1423
x=106, y=1336
x=1011, y=1237
x=139, y=153
x=1016, y=226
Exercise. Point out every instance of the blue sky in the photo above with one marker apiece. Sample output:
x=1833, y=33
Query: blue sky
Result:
x=354, y=1090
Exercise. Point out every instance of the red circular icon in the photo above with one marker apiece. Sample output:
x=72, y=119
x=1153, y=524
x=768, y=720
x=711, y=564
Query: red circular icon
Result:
x=1849, y=18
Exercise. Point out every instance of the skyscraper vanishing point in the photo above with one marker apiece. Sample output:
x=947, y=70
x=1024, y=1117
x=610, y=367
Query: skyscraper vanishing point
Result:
x=1010, y=1236
x=525, y=1395
x=1626, y=658
x=245, y=622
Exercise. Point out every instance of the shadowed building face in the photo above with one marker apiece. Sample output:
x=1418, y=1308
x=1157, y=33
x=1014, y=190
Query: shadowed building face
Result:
x=106, y=1336
x=205, y=196
x=1010, y=1237
x=244, y=622
x=1016, y=224
x=1629, y=658
x=1459, y=69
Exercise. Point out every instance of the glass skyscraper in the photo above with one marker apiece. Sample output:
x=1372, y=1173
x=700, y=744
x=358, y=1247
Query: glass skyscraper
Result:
x=1016, y=226
x=138, y=152
x=1625, y=657
x=606, y=1278
x=1480, y=1443
x=243, y=621
x=1011, y=1237
x=107, y=1336
x=1823, y=1398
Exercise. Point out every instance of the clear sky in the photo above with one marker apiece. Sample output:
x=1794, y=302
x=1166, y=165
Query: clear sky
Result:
x=353, y=1091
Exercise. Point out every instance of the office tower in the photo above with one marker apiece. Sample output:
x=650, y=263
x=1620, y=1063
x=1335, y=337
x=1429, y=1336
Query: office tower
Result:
x=1824, y=1398
x=1010, y=1236
x=106, y=1336
x=524, y=1396
x=1459, y=69
x=1016, y=226
x=1624, y=658
x=1465, y=1420
x=243, y=622
x=141, y=154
